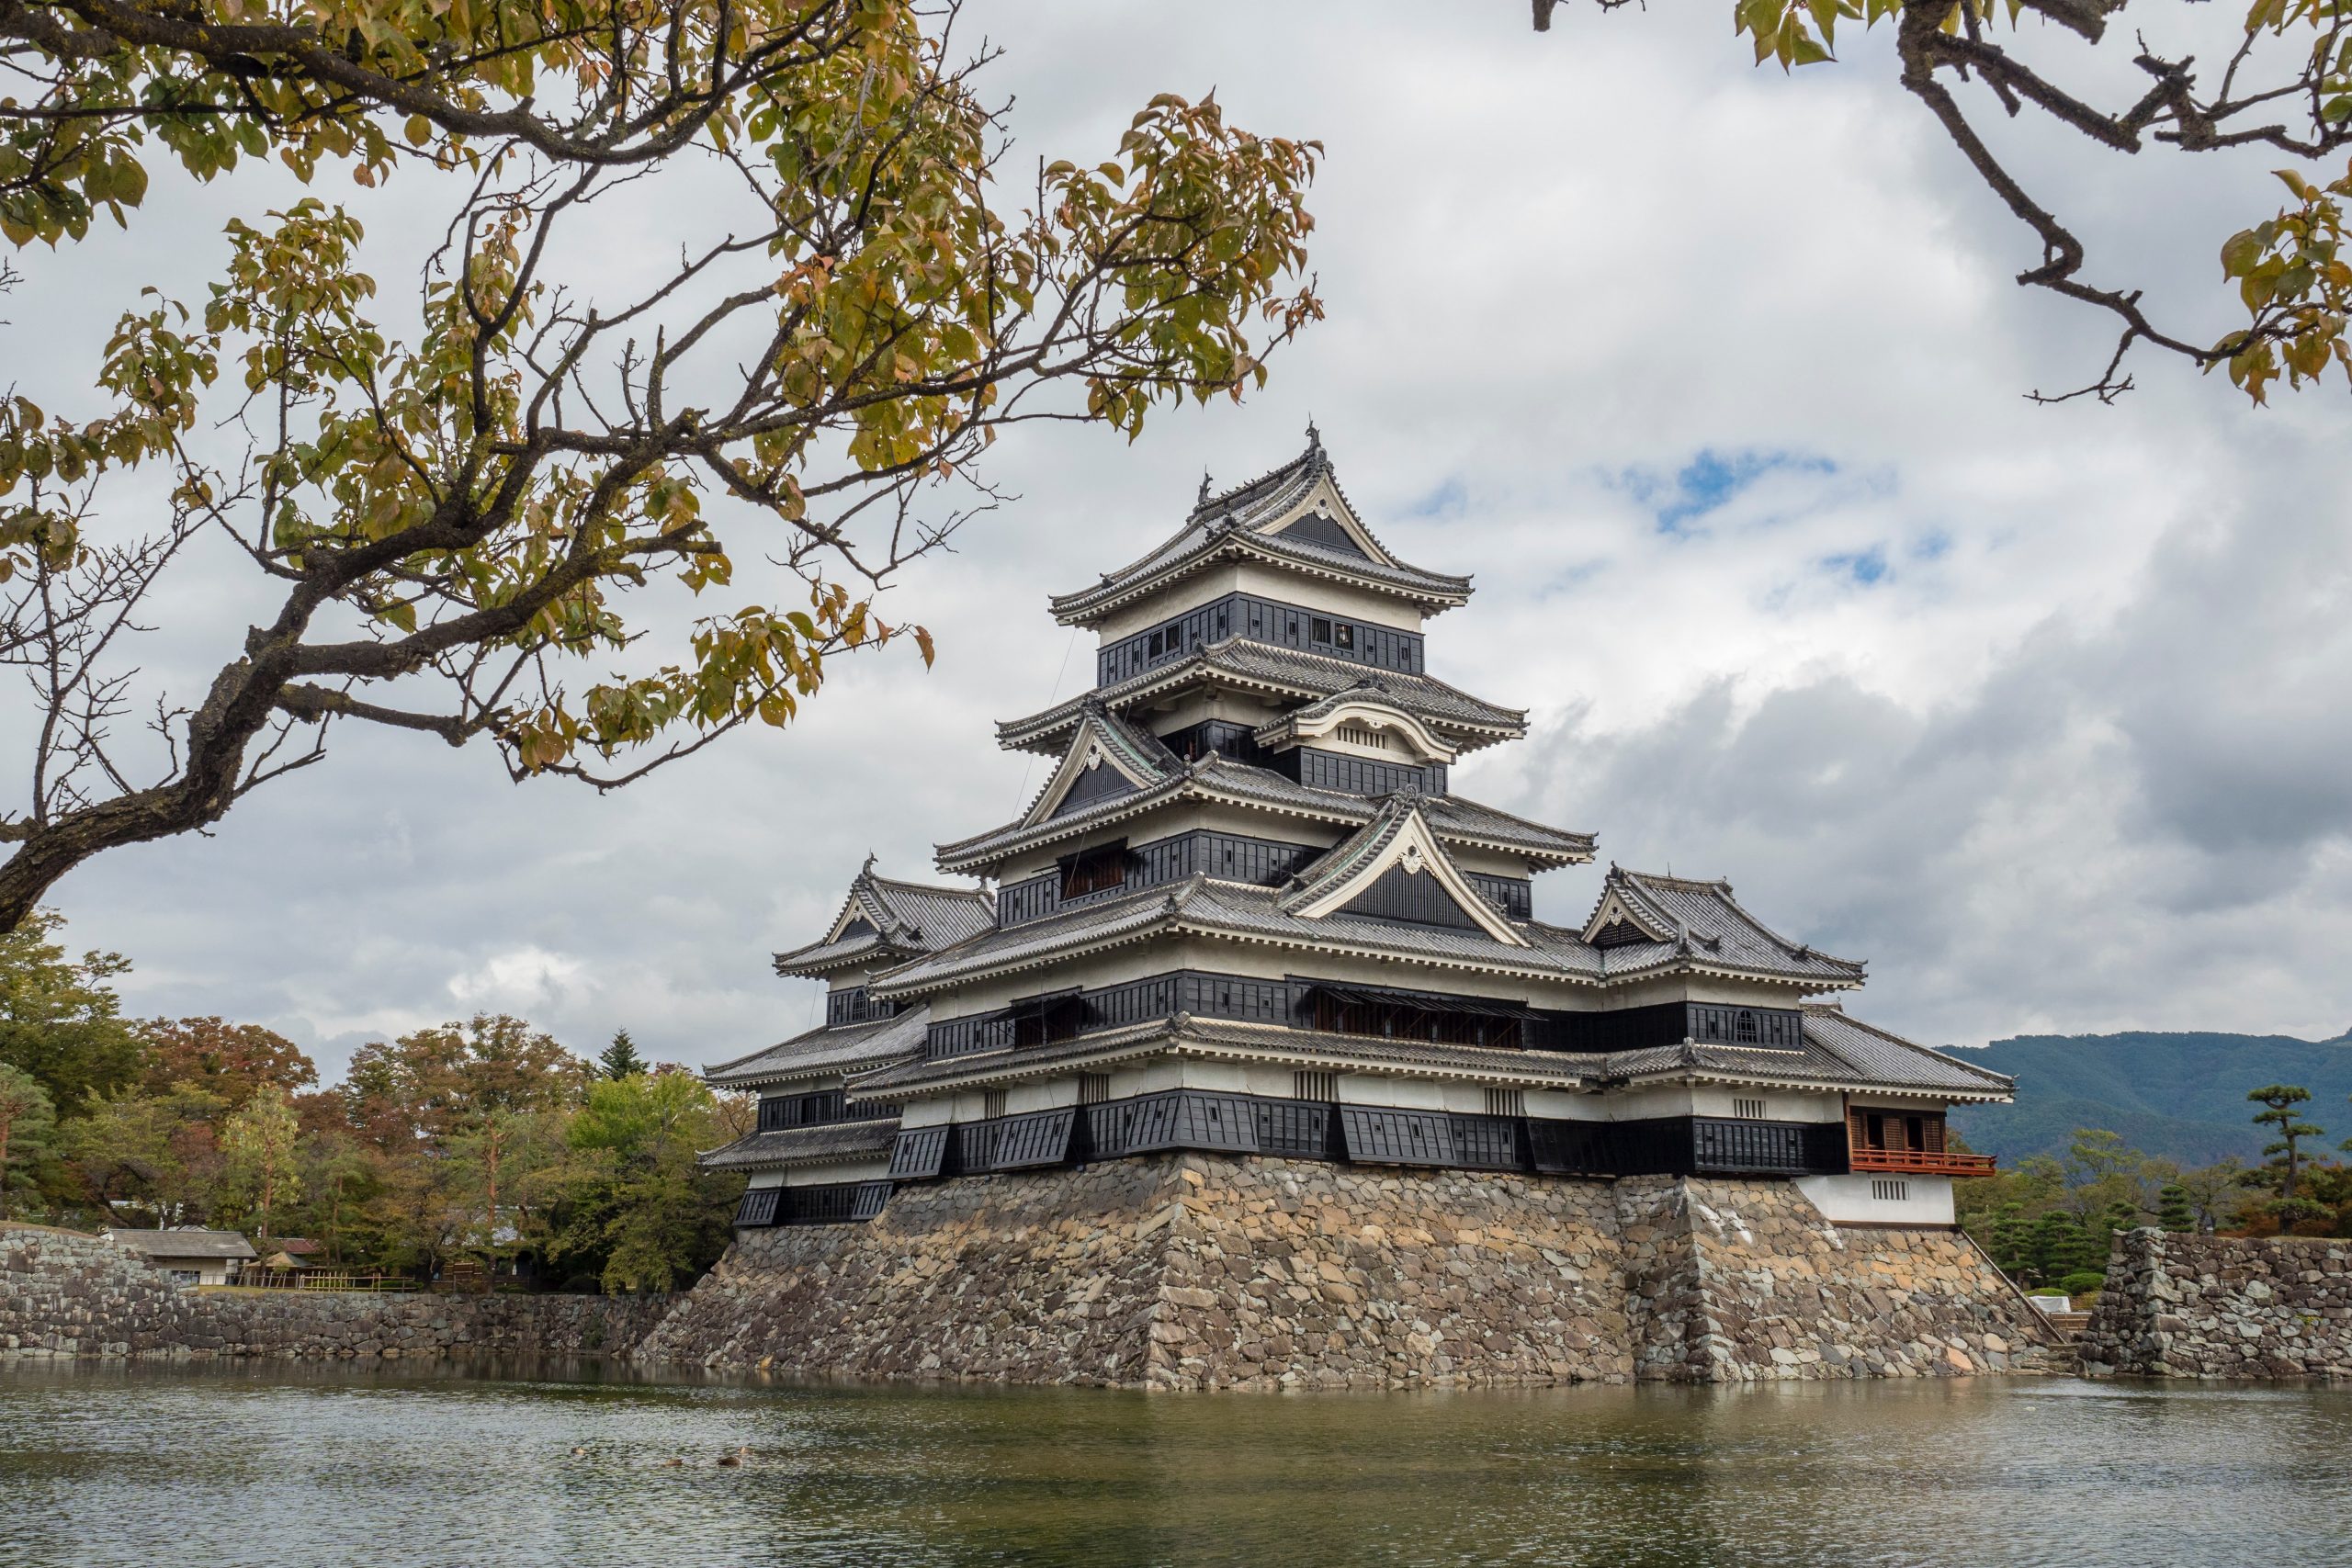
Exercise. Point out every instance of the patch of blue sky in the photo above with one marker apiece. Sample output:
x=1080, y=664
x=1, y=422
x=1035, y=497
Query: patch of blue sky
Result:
x=1710, y=479
x=1867, y=567
x=1450, y=499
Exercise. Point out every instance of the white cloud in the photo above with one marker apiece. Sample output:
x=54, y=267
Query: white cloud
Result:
x=2037, y=708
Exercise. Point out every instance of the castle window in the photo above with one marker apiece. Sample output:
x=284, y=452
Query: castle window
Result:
x=1322, y=630
x=1093, y=1088
x=1097, y=870
x=992, y=1103
x=1152, y=649
x=1505, y=1102
x=1884, y=1189
x=1315, y=1086
x=1743, y=1029
x=1748, y=1110
x=1343, y=635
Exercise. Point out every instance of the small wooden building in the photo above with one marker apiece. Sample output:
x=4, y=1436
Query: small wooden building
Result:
x=188, y=1257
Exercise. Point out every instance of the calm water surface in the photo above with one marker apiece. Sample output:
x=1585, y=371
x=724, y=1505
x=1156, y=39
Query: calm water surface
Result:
x=277, y=1466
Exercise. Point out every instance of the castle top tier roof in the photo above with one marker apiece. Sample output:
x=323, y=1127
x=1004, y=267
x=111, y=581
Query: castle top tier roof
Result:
x=1295, y=518
x=883, y=922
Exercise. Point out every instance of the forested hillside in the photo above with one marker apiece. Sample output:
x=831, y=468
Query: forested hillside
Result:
x=2179, y=1096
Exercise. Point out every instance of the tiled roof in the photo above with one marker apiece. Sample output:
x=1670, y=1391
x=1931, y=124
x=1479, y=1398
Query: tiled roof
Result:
x=1314, y=1050
x=182, y=1244
x=907, y=917
x=1839, y=1052
x=798, y=1145
x=851, y=1047
x=1467, y=722
x=1702, y=922
x=1218, y=908
x=1451, y=816
x=1885, y=1058
x=1238, y=523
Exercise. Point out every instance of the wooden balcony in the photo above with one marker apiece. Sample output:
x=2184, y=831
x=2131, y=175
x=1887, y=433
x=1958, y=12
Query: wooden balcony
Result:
x=1919, y=1162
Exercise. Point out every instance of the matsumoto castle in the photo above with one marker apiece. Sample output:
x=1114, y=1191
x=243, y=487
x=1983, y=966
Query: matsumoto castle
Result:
x=1248, y=916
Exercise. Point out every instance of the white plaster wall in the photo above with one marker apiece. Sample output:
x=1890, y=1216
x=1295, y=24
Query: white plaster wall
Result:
x=1779, y=1105
x=1847, y=1200
x=1045, y=1094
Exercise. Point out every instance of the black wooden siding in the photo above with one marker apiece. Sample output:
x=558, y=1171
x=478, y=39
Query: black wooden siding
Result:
x=920, y=1154
x=815, y=1110
x=1415, y=898
x=1389, y=1012
x=824, y=1203
x=1261, y=620
x=1367, y=1134
x=851, y=1004
x=1670, y=1023
x=1100, y=782
x=1514, y=895
x=1229, y=857
x=1318, y=769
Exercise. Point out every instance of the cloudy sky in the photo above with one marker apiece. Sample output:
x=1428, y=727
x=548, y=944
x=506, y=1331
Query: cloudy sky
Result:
x=1713, y=377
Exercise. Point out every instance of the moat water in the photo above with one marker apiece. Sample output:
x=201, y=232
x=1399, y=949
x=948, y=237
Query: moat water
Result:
x=538, y=1467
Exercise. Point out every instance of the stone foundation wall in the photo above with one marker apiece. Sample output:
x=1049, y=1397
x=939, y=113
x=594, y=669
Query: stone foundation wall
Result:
x=2178, y=1305
x=1195, y=1272
x=63, y=1294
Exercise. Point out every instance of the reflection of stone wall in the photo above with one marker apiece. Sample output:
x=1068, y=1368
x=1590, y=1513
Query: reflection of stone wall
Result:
x=2185, y=1305
x=1194, y=1272
x=63, y=1294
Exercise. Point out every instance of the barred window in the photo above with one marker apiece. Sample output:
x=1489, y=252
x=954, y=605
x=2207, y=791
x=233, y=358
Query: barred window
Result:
x=1505, y=1102
x=1748, y=1110
x=992, y=1103
x=1093, y=1088
x=1315, y=1086
x=1886, y=1190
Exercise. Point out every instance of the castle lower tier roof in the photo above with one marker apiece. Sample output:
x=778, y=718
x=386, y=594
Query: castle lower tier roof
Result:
x=844, y=1048
x=1215, y=779
x=1703, y=919
x=885, y=921
x=805, y=1146
x=1839, y=1053
x=1230, y=910
x=1223, y=1038
x=1295, y=674
x=1244, y=522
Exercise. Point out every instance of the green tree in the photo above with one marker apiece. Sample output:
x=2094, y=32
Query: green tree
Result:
x=2279, y=1102
x=2287, y=92
x=151, y=1151
x=59, y=1020
x=635, y=1195
x=620, y=1060
x=502, y=499
x=261, y=1142
x=444, y=1108
x=27, y=1123
x=2175, y=1210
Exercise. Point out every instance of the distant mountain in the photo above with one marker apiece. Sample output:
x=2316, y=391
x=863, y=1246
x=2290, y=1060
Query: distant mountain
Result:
x=2182, y=1096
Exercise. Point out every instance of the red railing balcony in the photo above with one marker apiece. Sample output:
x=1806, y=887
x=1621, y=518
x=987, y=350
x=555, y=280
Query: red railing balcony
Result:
x=1920, y=1162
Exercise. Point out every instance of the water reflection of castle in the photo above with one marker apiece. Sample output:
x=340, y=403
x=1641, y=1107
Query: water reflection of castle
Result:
x=1248, y=915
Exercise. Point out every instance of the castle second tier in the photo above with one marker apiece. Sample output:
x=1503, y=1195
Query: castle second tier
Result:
x=1248, y=914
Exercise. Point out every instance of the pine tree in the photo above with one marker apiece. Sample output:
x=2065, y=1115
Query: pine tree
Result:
x=2280, y=1101
x=2174, y=1211
x=620, y=1060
